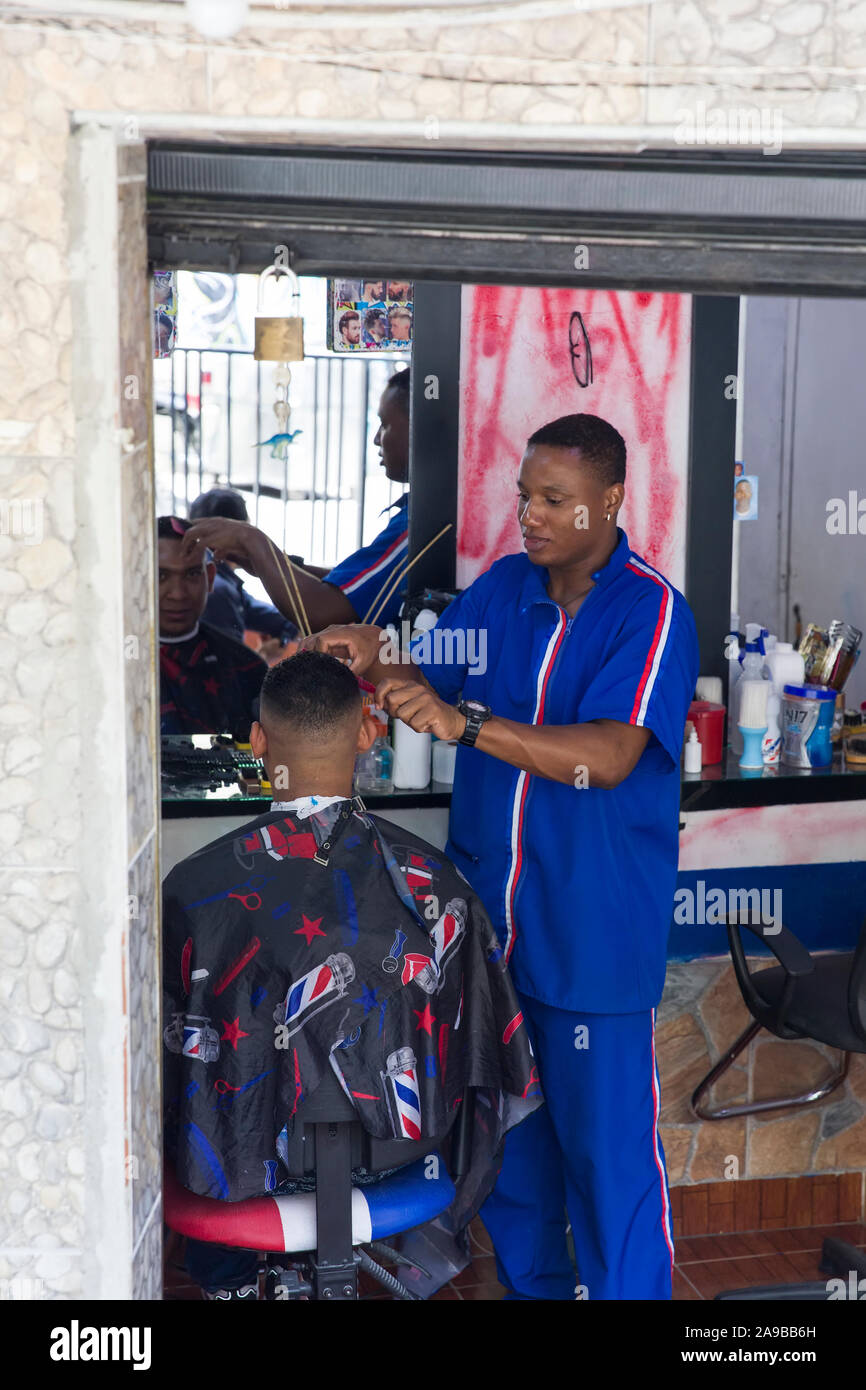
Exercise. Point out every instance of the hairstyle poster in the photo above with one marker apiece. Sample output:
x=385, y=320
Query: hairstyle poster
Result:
x=369, y=315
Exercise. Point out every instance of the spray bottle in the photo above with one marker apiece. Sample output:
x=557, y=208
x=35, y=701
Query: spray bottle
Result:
x=752, y=669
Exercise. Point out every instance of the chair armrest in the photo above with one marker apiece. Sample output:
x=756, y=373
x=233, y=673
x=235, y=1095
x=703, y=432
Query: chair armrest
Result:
x=785, y=946
x=791, y=955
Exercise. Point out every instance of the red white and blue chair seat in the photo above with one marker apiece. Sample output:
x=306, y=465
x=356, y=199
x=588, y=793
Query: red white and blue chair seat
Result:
x=288, y=1222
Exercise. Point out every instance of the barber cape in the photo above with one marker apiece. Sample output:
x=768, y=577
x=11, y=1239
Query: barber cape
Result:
x=208, y=683
x=324, y=937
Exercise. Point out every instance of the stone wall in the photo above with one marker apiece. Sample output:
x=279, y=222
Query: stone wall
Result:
x=78, y=847
x=701, y=1015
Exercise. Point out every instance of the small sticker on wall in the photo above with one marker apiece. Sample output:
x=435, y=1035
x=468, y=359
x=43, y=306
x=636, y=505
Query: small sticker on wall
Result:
x=745, y=494
x=164, y=312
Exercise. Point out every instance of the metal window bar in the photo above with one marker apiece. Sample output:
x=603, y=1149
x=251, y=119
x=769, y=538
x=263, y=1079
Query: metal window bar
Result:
x=332, y=406
x=171, y=426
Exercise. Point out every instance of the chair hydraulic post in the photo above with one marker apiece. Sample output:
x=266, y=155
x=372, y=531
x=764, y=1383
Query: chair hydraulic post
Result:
x=333, y=1266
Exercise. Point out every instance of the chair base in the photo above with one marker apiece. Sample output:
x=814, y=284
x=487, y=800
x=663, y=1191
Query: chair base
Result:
x=757, y=1107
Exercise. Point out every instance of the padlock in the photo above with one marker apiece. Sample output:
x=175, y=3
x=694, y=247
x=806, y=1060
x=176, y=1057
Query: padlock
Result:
x=279, y=339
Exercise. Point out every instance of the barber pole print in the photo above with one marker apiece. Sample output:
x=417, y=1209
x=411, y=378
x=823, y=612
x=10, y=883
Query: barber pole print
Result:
x=445, y=937
x=418, y=871
x=323, y=985
x=401, y=1085
x=191, y=1035
x=200, y=1040
x=278, y=841
x=415, y=965
x=448, y=930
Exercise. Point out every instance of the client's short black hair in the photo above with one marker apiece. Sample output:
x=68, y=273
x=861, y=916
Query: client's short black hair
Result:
x=219, y=501
x=601, y=446
x=171, y=528
x=312, y=691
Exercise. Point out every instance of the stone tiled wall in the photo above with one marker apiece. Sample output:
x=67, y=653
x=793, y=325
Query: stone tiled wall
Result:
x=137, y=506
x=701, y=1015
x=77, y=831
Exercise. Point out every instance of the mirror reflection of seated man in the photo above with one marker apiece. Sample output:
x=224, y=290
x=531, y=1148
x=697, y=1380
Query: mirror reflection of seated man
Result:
x=208, y=681
x=374, y=960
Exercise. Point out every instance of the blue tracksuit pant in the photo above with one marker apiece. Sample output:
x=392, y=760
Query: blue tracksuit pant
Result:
x=591, y=1151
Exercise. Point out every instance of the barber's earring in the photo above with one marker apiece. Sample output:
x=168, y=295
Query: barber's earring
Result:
x=607, y=516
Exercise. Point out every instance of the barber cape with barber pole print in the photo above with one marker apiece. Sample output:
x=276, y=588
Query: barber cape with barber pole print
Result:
x=380, y=963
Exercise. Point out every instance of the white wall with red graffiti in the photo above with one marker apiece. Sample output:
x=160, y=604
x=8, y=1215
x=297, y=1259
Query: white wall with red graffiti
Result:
x=528, y=356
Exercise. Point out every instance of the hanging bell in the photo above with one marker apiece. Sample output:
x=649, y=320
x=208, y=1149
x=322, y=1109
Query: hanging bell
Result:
x=279, y=339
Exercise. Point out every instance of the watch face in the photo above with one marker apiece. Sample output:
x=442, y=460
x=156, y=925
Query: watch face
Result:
x=475, y=705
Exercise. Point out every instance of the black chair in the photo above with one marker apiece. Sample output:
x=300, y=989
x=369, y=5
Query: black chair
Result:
x=330, y=1226
x=822, y=998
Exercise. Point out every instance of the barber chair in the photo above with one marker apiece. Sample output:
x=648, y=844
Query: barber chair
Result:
x=822, y=998
x=329, y=1228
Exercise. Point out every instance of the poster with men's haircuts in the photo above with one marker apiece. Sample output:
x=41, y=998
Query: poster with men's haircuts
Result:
x=369, y=315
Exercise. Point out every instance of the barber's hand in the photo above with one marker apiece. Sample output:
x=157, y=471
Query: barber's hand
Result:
x=358, y=644
x=229, y=540
x=418, y=707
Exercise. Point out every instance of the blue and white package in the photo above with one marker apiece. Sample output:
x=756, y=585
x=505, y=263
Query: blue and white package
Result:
x=807, y=719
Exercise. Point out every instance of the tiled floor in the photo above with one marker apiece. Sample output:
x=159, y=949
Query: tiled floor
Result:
x=705, y=1265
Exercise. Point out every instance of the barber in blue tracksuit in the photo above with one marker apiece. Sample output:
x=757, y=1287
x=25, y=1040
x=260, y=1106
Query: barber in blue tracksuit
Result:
x=564, y=819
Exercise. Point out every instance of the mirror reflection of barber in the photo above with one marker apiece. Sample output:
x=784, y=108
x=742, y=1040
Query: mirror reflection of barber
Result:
x=357, y=584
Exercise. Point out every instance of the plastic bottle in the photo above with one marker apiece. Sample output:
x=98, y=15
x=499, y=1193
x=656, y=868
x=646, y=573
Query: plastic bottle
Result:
x=692, y=758
x=752, y=668
x=425, y=620
x=733, y=656
x=412, y=754
x=374, y=770
x=783, y=666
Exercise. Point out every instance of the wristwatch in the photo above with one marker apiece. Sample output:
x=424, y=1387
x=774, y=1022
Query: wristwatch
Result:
x=475, y=715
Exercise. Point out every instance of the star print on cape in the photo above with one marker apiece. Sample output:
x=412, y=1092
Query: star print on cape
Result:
x=310, y=929
x=425, y=1020
x=232, y=1032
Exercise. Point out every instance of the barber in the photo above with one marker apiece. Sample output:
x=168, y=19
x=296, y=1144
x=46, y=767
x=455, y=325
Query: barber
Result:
x=360, y=585
x=564, y=818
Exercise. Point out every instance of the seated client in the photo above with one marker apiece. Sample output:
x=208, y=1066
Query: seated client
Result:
x=208, y=681
x=322, y=937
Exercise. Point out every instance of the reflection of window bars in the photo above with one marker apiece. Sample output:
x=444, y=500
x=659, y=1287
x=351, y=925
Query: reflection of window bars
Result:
x=214, y=404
